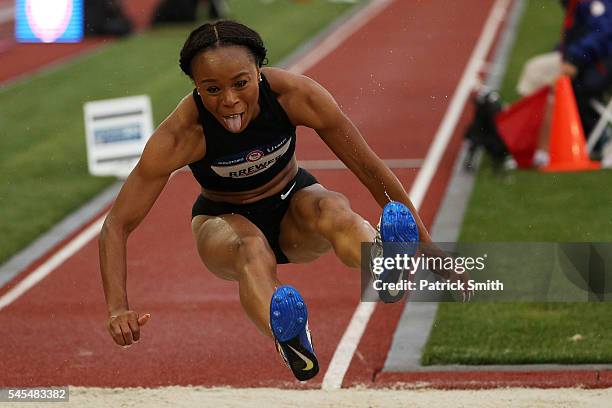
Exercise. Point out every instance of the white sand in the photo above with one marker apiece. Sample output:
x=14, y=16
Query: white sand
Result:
x=270, y=398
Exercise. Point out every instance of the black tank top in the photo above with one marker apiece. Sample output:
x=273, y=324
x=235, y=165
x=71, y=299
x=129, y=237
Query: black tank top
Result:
x=249, y=159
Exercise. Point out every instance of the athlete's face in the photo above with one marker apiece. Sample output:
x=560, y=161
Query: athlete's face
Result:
x=227, y=80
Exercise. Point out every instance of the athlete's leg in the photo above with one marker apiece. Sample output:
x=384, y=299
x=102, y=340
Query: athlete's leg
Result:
x=318, y=219
x=233, y=248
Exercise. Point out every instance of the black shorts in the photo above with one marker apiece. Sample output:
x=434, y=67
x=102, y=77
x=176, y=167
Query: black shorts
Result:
x=266, y=214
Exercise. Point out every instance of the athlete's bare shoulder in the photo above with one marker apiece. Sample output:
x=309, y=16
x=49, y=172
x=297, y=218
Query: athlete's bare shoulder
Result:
x=183, y=126
x=304, y=99
x=177, y=141
x=183, y=121
x=287, y=83
x=281, y=81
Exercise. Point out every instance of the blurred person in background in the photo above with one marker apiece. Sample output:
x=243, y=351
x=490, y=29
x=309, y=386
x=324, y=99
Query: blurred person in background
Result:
x=584, y=54
x=176, y=11
x=105, y=17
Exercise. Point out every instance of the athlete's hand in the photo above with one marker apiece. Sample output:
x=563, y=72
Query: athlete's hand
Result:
x=569, y=69
x=124, y=326
x=452, y=275
x=463, y=278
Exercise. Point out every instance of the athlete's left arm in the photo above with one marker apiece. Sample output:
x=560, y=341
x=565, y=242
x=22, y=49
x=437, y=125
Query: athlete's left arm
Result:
x=317, y=109
x=309, y=104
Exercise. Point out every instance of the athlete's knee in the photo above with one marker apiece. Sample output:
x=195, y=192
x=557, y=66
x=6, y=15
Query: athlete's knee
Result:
x=253, y=253
x=335, y=213
x=197, y=225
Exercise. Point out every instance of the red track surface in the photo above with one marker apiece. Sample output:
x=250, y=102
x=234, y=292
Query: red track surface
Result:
x=395, y=78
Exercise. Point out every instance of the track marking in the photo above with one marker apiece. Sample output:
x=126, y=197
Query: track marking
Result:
x=337, y=164
x=452, y=115
x=68, y=250
x=343, y=355
x=337, y=37
x=56, y=260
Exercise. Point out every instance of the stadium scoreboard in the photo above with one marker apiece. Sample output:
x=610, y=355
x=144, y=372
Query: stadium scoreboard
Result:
x=49, y=21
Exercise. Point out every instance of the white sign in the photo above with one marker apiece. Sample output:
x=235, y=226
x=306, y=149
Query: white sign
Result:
x=116, y=131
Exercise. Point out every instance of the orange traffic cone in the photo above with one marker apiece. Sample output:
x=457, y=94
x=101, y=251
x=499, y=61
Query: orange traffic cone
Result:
x=567, y=143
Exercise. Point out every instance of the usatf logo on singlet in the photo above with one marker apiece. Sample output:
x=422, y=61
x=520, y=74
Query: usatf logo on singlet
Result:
x=255, y=155
x=247, y=164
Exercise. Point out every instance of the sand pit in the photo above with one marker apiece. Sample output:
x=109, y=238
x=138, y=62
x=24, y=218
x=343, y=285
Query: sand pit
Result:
x=178, y=397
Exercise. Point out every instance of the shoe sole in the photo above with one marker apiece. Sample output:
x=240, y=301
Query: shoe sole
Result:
x=397, y=224
x=288, y=319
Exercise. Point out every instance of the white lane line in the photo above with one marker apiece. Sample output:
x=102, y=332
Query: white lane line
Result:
x=452, y=115
x=341, y=359
x=332, y=41
x=56, y=260
x=337, y=164
x=71, y=248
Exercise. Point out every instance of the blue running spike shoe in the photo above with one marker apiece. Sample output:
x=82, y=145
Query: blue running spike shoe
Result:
x=289, y=324
x=397, y=224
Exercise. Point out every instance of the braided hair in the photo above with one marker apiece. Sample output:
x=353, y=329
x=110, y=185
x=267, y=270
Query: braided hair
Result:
x=218, y=34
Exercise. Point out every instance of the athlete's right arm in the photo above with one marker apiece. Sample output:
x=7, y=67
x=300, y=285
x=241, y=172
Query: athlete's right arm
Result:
x=173, y=145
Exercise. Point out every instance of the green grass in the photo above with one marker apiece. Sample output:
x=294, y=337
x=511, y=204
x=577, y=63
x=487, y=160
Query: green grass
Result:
x=43, y=168
x=527, y=333
x=532, y=206
x=528, y=206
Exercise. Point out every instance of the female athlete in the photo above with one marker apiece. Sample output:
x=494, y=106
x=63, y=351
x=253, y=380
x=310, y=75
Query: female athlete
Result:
x=257, y=208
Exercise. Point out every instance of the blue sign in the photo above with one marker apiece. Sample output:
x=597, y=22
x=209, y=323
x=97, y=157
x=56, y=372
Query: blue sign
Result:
x=49, y=21
x=118, y=134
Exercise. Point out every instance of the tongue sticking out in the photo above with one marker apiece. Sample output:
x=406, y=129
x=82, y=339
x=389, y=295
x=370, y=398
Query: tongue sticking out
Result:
x=233, y=123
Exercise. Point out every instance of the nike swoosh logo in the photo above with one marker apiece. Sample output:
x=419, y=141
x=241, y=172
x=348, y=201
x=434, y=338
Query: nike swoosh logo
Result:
x=309, y=363
x=283, y=196
x=396, y=291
